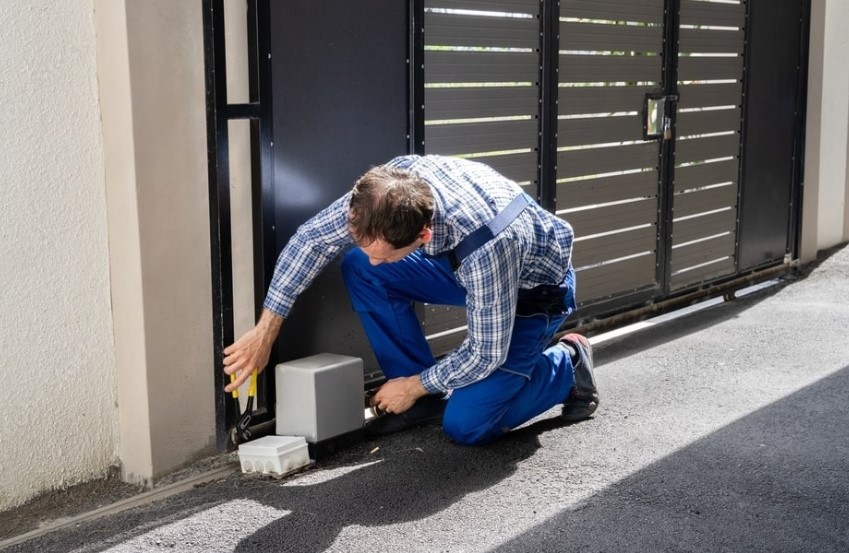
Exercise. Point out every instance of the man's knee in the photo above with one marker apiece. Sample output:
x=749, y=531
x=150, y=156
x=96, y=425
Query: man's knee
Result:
x=466, y=430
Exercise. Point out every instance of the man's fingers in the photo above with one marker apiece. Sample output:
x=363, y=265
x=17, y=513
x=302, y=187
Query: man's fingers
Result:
x=240, y=379
x=233, y=361
x=248, y=353
x=377, y=397
x=237, y=363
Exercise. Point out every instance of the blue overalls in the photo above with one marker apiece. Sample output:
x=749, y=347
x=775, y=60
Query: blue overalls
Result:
x=532, y=379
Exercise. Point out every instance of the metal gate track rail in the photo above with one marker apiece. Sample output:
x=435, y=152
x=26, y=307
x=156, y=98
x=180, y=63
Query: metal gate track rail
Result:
x=616, y=319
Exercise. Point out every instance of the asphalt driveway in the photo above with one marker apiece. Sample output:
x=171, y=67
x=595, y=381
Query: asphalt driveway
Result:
x=725, y=430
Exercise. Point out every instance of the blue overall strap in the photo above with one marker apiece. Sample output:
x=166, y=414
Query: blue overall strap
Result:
x=490, y=230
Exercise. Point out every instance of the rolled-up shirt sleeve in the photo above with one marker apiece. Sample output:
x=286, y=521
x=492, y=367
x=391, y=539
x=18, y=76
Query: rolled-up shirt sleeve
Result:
x=314, y=245
x=491, y=279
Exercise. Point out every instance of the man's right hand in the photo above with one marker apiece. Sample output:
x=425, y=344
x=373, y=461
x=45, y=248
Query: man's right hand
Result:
x=252, y=350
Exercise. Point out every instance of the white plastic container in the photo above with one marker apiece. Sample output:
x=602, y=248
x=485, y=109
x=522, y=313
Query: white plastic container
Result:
x=274, y=454
x=319, y=397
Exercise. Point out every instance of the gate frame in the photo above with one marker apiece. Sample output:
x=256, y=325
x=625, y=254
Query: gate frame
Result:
x=589, y=319
x=219, y=114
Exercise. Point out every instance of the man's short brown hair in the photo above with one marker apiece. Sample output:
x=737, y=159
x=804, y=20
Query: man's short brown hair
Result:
x=389, y=204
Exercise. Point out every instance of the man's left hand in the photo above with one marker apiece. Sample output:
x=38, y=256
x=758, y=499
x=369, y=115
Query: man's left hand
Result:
x=399, y=394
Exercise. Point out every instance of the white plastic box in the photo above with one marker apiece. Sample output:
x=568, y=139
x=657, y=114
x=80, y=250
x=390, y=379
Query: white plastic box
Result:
x=274, y=454
x=319, y=397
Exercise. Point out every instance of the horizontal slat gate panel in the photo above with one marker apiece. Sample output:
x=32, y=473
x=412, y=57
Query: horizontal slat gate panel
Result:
x=440, y=318
x=444, y=66
x=706, y=225
x=499, y=6
x=448, y=319
x=471, y=103
x=704, y=122
x=445, y=344
x=691, y=203
x=599, y=130
x=695, y=12
x=710, y=41
x=575, y=68
x=707, y=257
x=576, y=100
x=464, y=138
x=593, y=161
x=701, y=252
x=616, y=278
x=600, y=37
x=705, y=174
x=479, y=67
x=521, y=167
x=648, y=11
x=722, y=267
x=580, y=193
x=588, y=222
x=603, y=277
x=614, y=246
x=703, y=69
x=700, y=149
x=467, y=30
x=709, y=95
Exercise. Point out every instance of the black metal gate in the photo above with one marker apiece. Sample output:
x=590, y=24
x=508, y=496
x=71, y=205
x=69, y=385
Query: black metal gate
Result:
x=668, y=132
x=639, y=122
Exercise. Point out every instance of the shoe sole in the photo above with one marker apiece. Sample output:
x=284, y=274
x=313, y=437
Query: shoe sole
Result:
x=579, y=413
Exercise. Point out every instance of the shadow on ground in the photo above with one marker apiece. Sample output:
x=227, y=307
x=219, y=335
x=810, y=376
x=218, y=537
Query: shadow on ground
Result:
x=410, y=478
x=777, y=480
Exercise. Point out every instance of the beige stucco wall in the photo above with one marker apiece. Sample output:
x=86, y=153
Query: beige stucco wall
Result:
x=151, y=72
x=106, y=320
x=59, y=415
x=825, y=213
x=169, y=126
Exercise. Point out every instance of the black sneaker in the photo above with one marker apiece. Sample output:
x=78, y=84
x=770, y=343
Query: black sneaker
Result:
x=427, y=410
x=583, y=398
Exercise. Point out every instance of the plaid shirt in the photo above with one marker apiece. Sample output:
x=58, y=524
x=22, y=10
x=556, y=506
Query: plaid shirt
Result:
x=535, y=249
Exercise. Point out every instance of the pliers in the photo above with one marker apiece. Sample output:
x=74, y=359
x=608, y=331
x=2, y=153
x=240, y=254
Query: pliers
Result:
x=241, y=432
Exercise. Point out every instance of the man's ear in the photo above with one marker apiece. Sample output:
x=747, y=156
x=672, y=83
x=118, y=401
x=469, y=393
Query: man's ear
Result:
x=426, y=235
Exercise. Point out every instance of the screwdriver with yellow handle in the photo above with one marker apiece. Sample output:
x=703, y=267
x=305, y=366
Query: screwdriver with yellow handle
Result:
x=241, y=432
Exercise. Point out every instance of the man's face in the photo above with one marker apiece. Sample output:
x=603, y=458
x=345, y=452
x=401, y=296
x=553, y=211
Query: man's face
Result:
x=380, y=251
x=383, y=252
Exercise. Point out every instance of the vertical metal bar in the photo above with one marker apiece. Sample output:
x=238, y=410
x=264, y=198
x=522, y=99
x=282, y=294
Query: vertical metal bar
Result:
x=219, y=205
x=801, y=108
x=416, y=78
x=262, y=190
x=744, y=112
x=548, y=103
x=416, y=95
x=666, y=173
x=257, y=173
x=265, y=250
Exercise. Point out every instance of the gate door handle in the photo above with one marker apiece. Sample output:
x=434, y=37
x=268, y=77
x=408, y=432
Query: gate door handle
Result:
x=657, y=120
